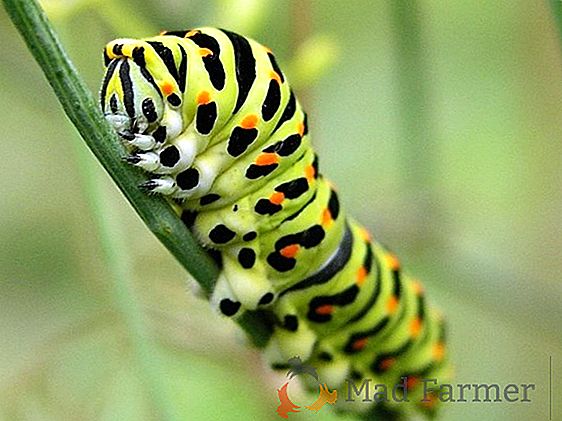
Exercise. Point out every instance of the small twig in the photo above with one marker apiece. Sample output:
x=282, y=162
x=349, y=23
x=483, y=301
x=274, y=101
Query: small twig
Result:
x=556, y=6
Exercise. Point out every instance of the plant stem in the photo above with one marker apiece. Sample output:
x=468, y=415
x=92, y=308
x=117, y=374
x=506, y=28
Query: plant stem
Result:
x=556, y=6
x=83, y=111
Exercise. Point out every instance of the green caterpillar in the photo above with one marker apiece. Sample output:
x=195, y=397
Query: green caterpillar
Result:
x=211, y=116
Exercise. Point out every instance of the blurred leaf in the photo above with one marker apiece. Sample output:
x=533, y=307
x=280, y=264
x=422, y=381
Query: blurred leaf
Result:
x=313, y=58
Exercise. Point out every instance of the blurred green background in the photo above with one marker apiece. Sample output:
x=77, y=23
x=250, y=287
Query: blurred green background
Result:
x=440, y=123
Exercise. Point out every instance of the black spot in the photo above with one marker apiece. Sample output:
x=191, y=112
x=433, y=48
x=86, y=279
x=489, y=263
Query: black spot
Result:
x=117, y=50
x=212, y=63
x=235, y=208
x=221, y=234
x=305, y=123
x=247, y=258
x=127, y=86
x=344, y=298
x=280, y=366
x=240, y=139
x=188, y=179
x=325, y=356
x=356, y=375
x=294, y=188
x=228, y=307
x=208, y=199
x=288, y=112
x=281, y=263
x=256, y=171
x=348, y=349
x=113, y=103
x=291, y=323
x=138, y=56
x=106, y=59
x=180, y=34
x=250, y=236
x=159, y=134
x=334, y=205
x=272, y=100
x=315, y=166
x=245, y=67
x=313, y=236
x=265, y=207
x=368, y=262
x=167, y=57
x=266, y=299
x=170, y=156
x=308, y=238
x=148, y=110
x=285, y=147
x=188, y=218
x=182, y=76
x=174, y=100
x=206, y=117
x=276, y=67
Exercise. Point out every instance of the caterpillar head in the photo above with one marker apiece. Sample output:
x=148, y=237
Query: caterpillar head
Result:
x=137, y=87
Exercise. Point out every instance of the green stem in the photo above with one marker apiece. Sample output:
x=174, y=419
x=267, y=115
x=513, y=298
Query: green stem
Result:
x=556, y=6
x=83, y=111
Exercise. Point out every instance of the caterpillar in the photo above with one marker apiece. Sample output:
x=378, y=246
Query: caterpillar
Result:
x=211, y=117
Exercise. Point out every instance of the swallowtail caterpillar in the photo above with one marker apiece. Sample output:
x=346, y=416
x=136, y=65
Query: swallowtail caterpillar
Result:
x=212, y=119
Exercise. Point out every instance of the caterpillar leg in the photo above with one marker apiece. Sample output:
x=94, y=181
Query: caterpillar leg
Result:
x=223, y=299
x=292, y=338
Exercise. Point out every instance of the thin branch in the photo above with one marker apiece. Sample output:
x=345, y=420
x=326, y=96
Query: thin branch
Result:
x=83, y=111
x=556, y=6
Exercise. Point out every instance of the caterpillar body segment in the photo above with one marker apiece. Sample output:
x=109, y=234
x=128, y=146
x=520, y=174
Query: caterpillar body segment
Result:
x=211, y=117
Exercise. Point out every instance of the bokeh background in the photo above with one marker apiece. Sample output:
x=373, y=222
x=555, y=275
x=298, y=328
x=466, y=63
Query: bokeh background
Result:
x=439, y=122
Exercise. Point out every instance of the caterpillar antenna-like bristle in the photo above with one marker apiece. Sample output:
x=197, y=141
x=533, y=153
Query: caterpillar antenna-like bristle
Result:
x=149, y=185
x=132, y=159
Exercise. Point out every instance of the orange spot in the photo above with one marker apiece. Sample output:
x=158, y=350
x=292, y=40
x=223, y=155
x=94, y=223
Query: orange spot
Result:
x=167, y=88
x=204, y=52
x=418, y=287
x=411, y=382
x=415, y=327
x=203, y=98
x=438, y=351
x=191, y=33
x=267, y=49
x=359, y=344
x=277, y=198
x=289, y=251
x=267, y=158
x=392, y=304
x=366, y=235
x=300, y=128
x=361, y=275
x=326, y=217
x=249, y=122
x=309, y=173
x=387, y=363
x=392, y=261
x=273, y=75
x=325, y=309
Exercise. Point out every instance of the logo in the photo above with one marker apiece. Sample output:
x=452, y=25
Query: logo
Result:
x=298, y=368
